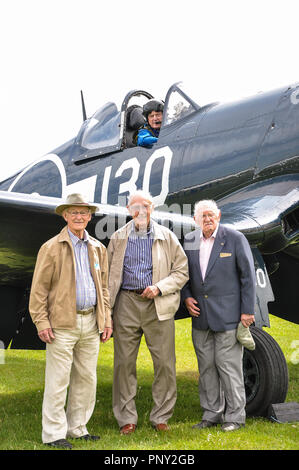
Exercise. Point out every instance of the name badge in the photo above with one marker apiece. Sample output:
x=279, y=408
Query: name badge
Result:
x=225, y=255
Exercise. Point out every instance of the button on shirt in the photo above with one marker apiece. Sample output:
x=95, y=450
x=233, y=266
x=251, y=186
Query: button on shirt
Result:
x=206, y=245
x=138, y=265
x=86, y=294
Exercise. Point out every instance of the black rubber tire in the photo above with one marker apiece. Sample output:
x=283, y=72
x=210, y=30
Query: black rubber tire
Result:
x=265, y=374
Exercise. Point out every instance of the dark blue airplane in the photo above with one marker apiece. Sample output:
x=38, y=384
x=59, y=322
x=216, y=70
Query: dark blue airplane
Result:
x=244, y=154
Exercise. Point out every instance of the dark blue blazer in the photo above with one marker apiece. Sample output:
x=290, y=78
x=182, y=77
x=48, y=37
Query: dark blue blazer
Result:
x=229, y=285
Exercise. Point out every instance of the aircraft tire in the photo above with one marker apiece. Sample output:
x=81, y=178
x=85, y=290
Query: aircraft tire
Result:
x=265, y=374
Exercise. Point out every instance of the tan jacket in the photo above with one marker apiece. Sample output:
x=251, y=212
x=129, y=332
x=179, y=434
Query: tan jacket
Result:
x=52, y=300
x=170, y=267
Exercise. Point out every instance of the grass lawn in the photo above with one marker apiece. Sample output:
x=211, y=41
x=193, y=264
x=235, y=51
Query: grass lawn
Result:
x=21, y=393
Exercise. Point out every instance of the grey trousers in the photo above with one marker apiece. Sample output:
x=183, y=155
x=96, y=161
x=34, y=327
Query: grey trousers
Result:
x=134, y=316
x=221, y=382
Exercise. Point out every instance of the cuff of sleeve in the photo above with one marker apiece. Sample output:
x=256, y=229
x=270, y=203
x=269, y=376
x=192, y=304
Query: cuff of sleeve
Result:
x=108, y=322
x=42, y=325
x=159, y=287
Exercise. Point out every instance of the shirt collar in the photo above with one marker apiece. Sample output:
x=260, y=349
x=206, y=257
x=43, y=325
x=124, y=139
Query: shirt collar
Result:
x=150, y=230
x=75, y=239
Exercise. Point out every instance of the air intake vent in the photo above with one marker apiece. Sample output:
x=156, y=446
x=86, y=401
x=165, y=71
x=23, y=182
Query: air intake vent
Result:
x=291, y=222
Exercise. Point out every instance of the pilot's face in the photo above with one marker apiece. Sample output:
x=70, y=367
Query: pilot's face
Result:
x=208, y=221
x=155, y=119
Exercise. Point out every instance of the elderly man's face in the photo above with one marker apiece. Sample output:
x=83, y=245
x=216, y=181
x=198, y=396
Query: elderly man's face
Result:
x=140, y=209
x=207, y=220
x=77, y=218
x=155, y=119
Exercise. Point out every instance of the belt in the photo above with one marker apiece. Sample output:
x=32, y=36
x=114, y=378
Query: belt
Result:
x=87, y=311
x=135, y=291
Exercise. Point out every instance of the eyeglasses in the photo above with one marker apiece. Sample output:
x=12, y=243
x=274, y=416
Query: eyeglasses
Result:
x=75, y=213
x=210, y=215
x=138, y=207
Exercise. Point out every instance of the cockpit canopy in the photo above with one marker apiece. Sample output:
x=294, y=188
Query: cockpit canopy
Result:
x=178, y=105
x=102, y=129
x=110, y=130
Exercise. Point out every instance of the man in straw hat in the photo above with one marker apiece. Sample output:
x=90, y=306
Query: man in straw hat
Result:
x=69, y=304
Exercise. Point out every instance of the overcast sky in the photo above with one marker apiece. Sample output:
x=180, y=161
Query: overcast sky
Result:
x=51, y=49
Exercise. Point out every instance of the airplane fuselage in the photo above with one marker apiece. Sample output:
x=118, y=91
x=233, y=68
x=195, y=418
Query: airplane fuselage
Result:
x=213, y=153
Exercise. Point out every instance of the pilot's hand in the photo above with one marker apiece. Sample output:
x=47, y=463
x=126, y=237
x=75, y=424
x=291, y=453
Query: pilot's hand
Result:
x=192, y=308
x=247, y=319
x=150, y=292
x=106, y=334
x=47, y=335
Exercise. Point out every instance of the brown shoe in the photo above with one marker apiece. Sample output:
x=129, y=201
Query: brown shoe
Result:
x=161, y=427
x=128, y=429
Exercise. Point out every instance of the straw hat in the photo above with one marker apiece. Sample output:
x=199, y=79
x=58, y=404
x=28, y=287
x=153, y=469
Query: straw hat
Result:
x=75, y=199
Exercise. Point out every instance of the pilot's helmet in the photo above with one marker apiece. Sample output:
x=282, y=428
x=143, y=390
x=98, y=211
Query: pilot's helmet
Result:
x=152, y=105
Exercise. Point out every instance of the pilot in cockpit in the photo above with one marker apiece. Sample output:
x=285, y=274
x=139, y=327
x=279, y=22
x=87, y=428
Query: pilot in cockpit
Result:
x=148, y=134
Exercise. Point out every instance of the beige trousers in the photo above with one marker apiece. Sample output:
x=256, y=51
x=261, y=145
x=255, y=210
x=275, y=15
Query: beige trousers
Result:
x=134, y=316
x=71, y=361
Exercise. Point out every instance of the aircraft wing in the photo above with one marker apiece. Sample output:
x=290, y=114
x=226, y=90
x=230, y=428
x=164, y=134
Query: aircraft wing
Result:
x=27, y=220
x=266, y=212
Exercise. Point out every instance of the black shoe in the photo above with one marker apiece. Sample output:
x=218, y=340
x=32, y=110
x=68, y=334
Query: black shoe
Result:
x=62, y=443
x=88, y=437
x=204, y=424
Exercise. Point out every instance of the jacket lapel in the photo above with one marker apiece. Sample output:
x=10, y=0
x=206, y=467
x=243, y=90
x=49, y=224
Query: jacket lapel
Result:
x=122, y=242
x=217, y=247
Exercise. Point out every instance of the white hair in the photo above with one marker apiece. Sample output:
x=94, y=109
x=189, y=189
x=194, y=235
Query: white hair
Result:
x=145, y=195
x=207, y=204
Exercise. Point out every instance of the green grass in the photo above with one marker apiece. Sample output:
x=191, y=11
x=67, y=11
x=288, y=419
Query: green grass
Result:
x=21, y=393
